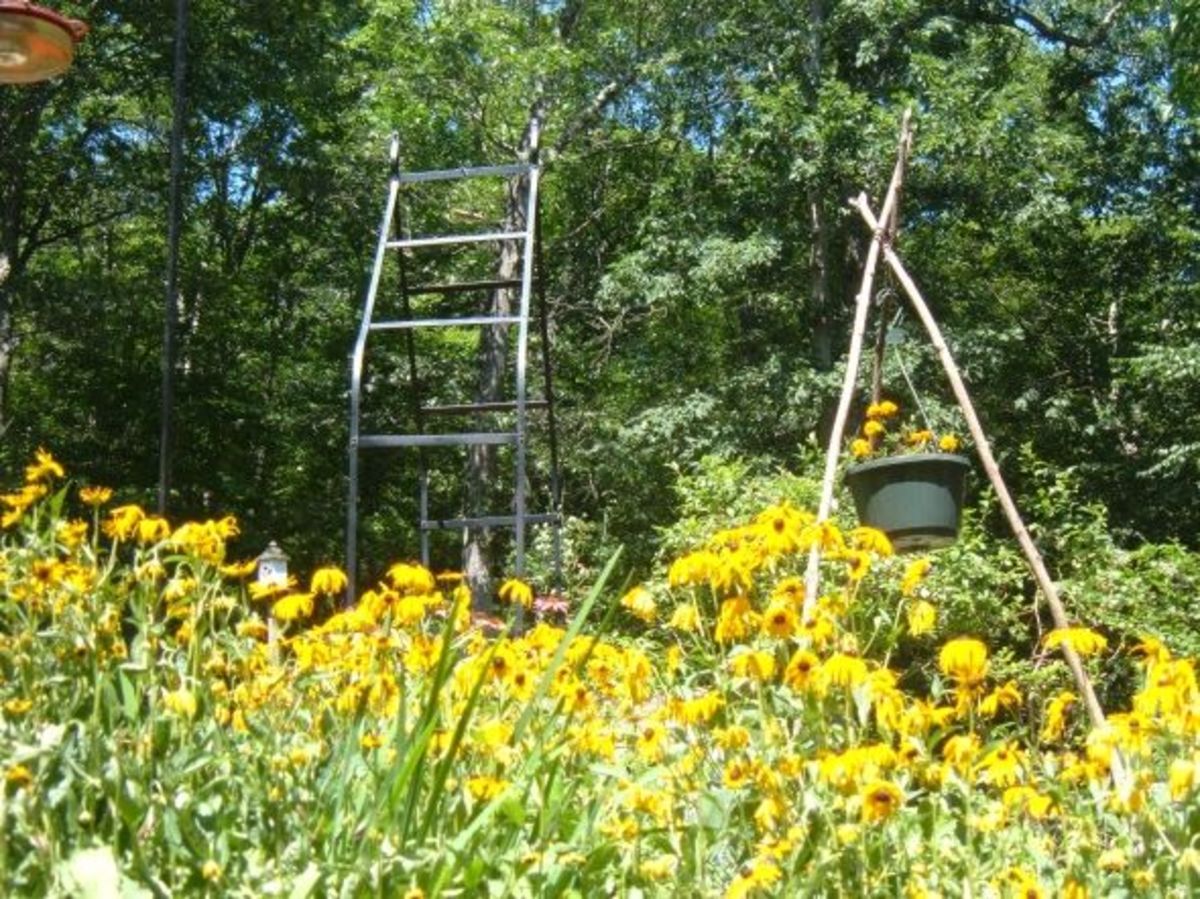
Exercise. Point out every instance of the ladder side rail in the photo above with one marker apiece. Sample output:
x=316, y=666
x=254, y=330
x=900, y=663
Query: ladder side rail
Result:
x=522, y=353
x=356, y=373
x=548, y=394
x=414, y=391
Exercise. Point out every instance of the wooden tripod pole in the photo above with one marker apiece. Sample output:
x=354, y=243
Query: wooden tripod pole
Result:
x=812, y=578
x=1032, y=556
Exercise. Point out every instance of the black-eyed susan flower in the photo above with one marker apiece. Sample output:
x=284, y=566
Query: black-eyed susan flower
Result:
x=780, y=619
x=1056, y=716
x=880, y=800
x=686, y=618
x=152, y=529
x=964, y=659
x=517, y=592
x=123, y=521
x=1084, y=641
x=921, y=617
x=181, y=703
x=293, y=607
x=640, y=603
x=411, y=579
x=95, y=496
x=329, y=581
x=802, y=670
x=43, y=469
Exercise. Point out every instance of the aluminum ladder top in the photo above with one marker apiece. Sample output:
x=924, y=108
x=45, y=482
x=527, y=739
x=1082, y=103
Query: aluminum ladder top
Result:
x=520, y=404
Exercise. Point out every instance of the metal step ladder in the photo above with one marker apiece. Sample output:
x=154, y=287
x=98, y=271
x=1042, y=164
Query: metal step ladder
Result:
x=393, y=240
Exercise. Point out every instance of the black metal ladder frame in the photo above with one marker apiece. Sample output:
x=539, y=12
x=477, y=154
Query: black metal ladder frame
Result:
x=520, y=404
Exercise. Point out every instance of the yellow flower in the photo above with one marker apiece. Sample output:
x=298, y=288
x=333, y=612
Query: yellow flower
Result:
x=95, y=496
x=180, y=702
x=1112, y=860
x=210, y=871
x=649, y=742
x=415, y=579
x=1004, y=697
x=240, y=570
x=735, y=620
x=922, y=617
x=152, y=529
x=272, y=588
x=914, y=573
x=16, y=707
x=780, y=619
x=884, y=409
x=802, y=670
x=1084, y=641
x=918, y=438
x=871, y=539
x=1181, y=778
x=330, y=581
x=1056, y=716
x=965, y=660
x=860, y=448
x=514, y=590
x=948, y=443
x=685, y=618
x=873, y=429
x=123, y=521
x=485, y=787
x=1002, y=767
x=960, y=751
x=44, y=469
x=760, y=874
x=18, y=776
x=842, y=670
x=640, y=603
x=880, y=799
x=754, y=664
x=659, y=868
x=293, y=606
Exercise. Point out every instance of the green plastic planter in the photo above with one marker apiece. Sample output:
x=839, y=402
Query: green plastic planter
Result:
x=916, y=500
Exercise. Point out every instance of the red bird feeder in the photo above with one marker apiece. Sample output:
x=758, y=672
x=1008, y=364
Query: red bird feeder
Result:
x=35, y=43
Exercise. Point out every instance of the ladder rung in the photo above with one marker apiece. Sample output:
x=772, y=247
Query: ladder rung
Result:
x=463, y=286
x=516, y=168
x=468, y=408
x=487, y=521
x=448, y=239
x=375, y=441
x=463, y=322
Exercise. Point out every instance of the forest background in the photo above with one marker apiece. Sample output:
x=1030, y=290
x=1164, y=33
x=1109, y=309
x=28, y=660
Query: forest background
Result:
x=700, y=258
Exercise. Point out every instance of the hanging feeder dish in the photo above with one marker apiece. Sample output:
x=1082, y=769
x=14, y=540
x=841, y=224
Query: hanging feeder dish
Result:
x=916, y=500
x=35, y=43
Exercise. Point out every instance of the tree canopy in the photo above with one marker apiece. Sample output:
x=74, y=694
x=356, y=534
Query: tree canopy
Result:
x=700, y=258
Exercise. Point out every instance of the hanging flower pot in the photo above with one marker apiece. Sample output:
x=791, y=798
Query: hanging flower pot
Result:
x=35, y=43
x=915, y=499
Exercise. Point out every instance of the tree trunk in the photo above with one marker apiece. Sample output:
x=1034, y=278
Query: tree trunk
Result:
x=493, y=363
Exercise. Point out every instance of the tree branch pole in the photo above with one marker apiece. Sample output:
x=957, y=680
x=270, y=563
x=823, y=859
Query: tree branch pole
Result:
x=812, y=578
x=1032, y=556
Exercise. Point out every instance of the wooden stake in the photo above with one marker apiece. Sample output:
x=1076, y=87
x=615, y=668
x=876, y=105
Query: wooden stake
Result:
x=812, y=578
x=1032, y=556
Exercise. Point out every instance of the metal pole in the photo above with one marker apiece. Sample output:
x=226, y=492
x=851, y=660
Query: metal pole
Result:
x=356, y=372
x=522, y=349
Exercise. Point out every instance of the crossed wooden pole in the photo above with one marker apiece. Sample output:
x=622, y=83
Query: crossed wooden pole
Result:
x=881, y=244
